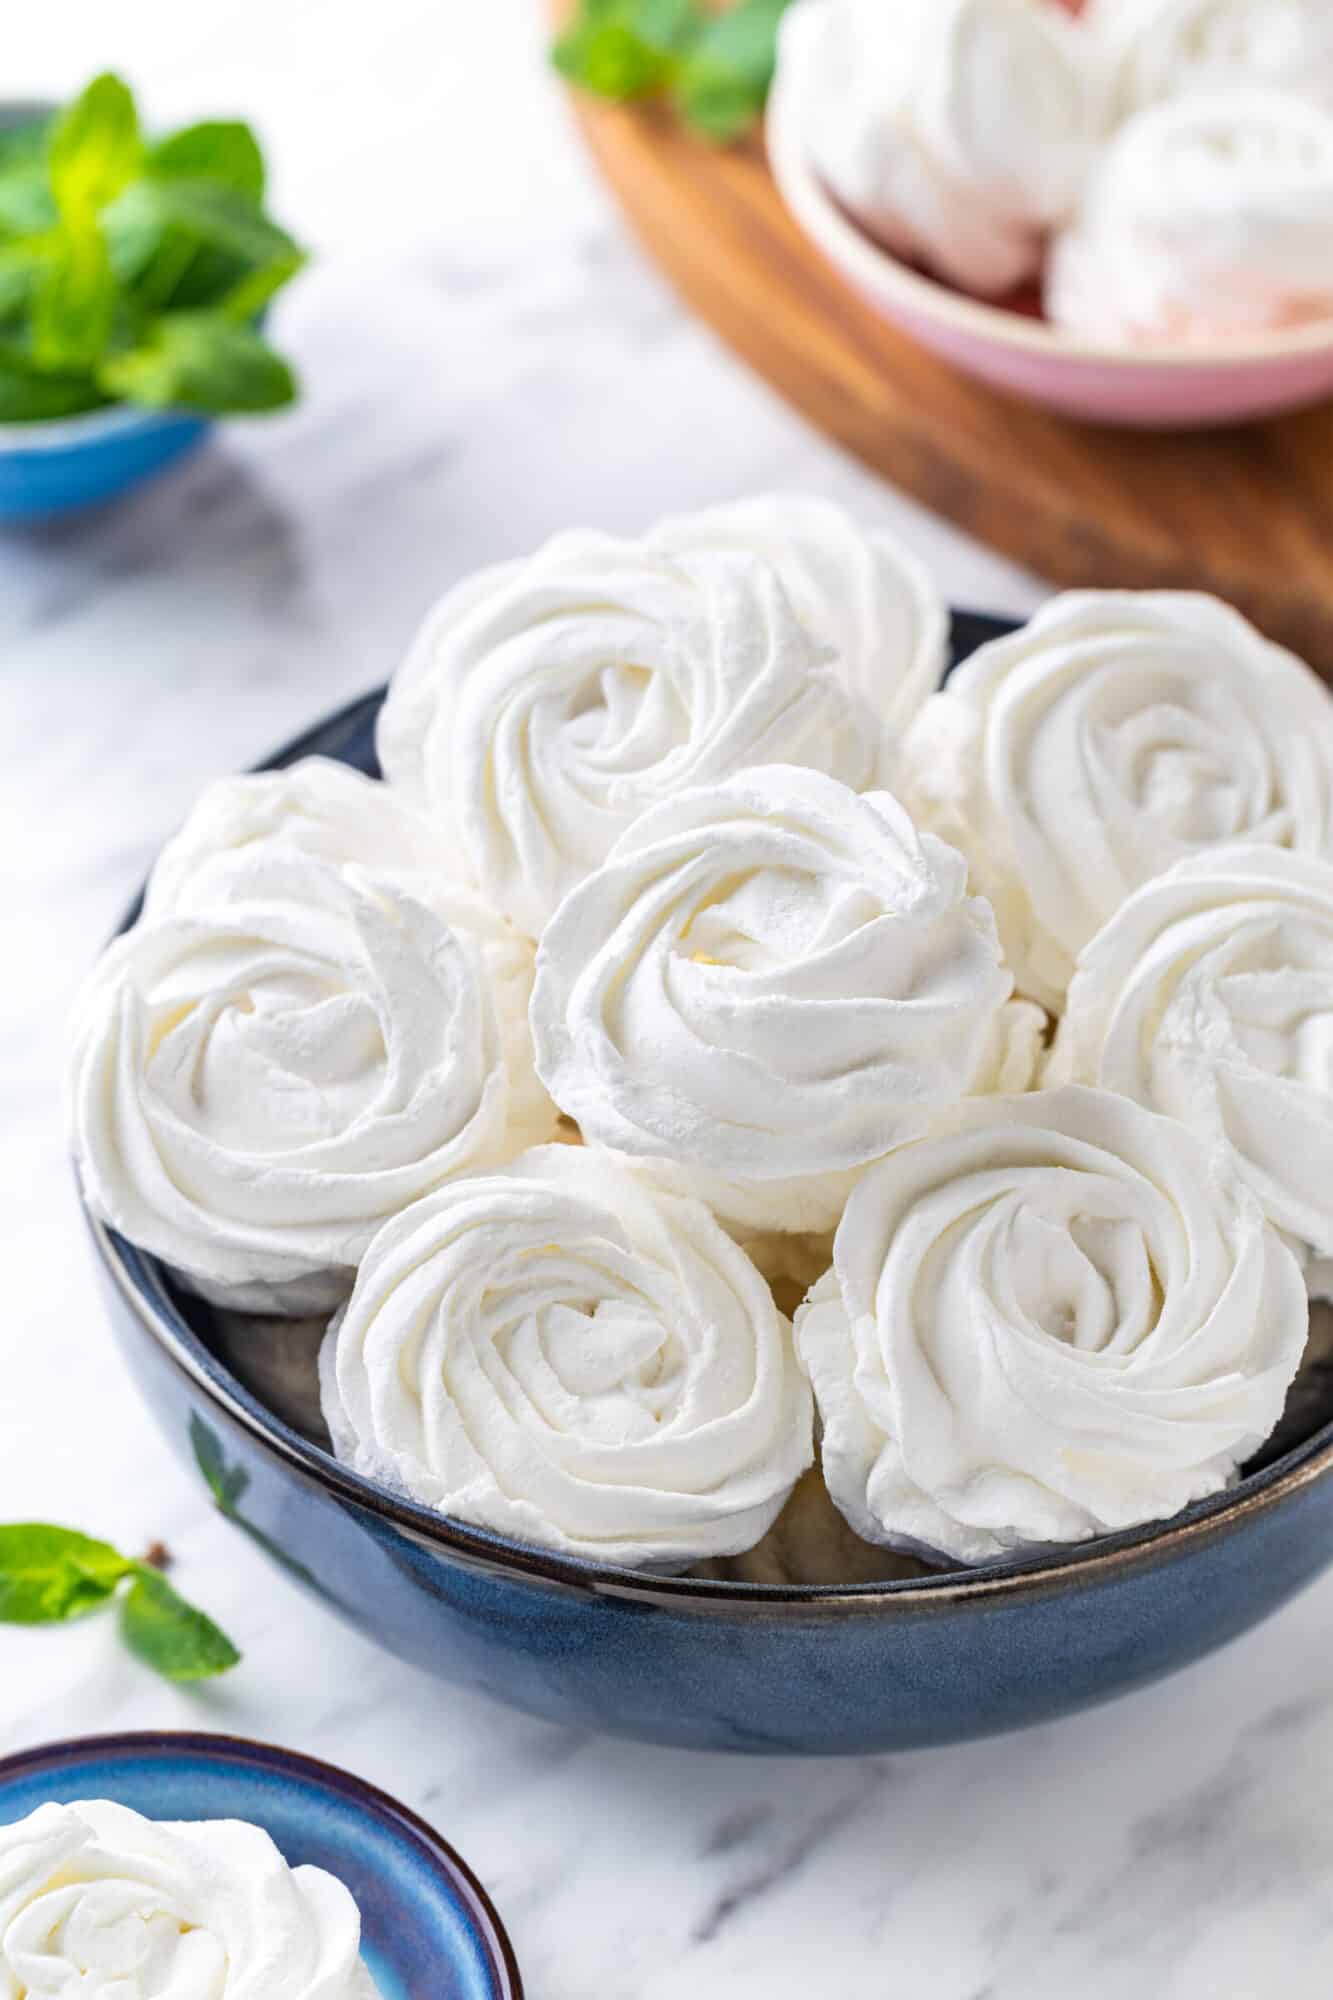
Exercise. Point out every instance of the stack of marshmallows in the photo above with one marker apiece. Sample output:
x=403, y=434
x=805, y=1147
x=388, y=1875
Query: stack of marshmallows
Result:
x=1163, y=167
x=697, y=959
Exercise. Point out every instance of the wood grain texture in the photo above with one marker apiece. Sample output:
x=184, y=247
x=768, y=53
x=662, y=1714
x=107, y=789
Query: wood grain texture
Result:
x=1247, y=513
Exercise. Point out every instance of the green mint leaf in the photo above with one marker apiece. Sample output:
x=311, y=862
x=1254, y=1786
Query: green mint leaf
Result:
x=221, y=218
x=172, y=1637
x=74, y=301
x=27, y=206
x=248, y=297
x=27, y=396
x=222, y=151
x=22, y=263
x=49, y=1574
x=608, y=58
x=724, y=81
x=200, y=361
x=24, y=143
x=96, y=147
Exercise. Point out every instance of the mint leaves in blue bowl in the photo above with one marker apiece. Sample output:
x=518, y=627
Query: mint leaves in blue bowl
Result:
x=134, y=274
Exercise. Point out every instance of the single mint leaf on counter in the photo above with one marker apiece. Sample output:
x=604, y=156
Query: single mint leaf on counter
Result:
x=200, y=361
x=73, y=301
x=49, y=1574
x=225, y=152
x=96, y=147
x=169, y=1635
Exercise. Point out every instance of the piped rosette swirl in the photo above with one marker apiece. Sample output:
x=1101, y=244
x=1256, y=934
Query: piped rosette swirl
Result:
x=561, y=1354
x=1057, y=1316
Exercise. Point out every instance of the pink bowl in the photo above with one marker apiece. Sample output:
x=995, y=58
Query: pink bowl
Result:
x=1149, y=387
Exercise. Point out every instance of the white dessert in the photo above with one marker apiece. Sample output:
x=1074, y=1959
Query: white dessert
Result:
x=547, y=703
x=321, y=808
x=1155, y=49
x=1058, y=1316
x=769, y=983
x=98, y=1901
x=957, y=132
x=1210, y=215
x=1116, y=734
x=259, y=1081
x=558, y=1354
x=862, y=596
x=1209, y=996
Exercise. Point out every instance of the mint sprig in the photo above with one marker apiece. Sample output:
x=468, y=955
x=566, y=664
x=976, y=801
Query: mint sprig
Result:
x=715, y=68
x=134, y=269
x=50, y=1574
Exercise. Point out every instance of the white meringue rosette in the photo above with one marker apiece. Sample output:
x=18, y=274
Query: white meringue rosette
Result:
x=1209, y=997
x=957, y=132
x=97, y=1900
x=860, y=593
x=1155, y=49
x=1117, y=733
x=546, y=703
x=1058, y=1316
x=321, y=808
x=558, y=1354
x=1208, y=217
x=769, y=983
x=261, y=1078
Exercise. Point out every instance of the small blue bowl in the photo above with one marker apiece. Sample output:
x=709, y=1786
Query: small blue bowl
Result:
x=429, y=1931
x=716, y=1665
x=68, y=463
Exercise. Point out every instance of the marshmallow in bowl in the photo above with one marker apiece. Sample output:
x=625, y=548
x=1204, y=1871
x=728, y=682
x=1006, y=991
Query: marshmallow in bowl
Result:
x=1057, y=1316
x=319, y=807
x=1210, y=216
x=1115, y=734
x=261, y=1078
x=547, y=702
x=860, y=593
x=767, y=984
x=956, y=132
x=1155, y=49
x=1209, y=996
x=96, y=1899
x=557, y=1353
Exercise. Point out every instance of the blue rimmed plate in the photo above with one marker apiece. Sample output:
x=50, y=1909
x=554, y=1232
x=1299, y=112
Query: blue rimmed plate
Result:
x=429, y=1929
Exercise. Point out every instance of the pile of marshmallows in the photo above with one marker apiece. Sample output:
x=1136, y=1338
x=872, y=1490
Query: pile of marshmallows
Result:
x=697, y=948
x=1164, y=167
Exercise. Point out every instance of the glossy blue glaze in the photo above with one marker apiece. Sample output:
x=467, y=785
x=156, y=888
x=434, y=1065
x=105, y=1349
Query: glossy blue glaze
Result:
x=710, y=1665
x=49, y=469
x=428, y=1930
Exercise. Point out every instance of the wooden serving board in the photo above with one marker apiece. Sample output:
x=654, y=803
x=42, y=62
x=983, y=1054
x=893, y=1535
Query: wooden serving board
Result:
x=1247, y=513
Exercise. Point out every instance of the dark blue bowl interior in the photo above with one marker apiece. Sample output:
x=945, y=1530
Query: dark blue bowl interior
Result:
x=429, y=1932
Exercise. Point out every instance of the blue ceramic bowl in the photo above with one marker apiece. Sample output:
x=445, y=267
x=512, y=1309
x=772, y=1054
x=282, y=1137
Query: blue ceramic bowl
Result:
x=69, y=463
x=722, y=1665
x=428, y=1929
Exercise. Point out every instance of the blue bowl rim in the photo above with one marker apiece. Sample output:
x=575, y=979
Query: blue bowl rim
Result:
x=242, y=1752
x=1010, y=1579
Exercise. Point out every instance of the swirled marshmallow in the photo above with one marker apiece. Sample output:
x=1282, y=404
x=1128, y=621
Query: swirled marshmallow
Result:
x=860, y=593
x=260, y=1080
x=558, y=1354
x=1210, y=216
x=768, y=983
x=318, y=807
x=547, y=703
x=1057, y=1316
x=1155, y=49
x=1209, y=996
x=96, y=1900
x=1114, y=735
x=956, y=132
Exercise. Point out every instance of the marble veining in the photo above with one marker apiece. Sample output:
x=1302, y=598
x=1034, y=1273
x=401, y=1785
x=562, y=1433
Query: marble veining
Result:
x=489, y=359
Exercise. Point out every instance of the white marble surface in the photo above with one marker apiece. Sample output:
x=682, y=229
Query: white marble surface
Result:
x=487, y=358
